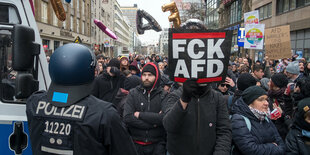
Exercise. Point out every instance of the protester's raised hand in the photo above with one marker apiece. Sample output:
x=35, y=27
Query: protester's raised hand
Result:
x=189, y=86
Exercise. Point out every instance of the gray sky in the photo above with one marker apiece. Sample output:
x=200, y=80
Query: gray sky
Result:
x=153, y=7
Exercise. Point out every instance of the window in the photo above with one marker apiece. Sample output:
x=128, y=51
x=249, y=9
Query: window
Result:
x=64, y=24
x=78, y=5
x=44, y=12
x=287, y=5
x=9, y=14
x=265, y=11
x=71, y=23
x=83, y=3
x=83, y=28
x=77, y=26
x=235, y=12
x=8, y=75
x=55, y=20
x=56, y=44
x=292, y=4
x=300, y=42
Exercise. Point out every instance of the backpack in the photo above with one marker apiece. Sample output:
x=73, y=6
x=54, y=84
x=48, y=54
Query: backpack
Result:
x=248, y=125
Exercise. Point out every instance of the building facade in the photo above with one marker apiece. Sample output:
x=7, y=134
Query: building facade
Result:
x=102, y=10
x=295, y=13
x=130, y=12
x=163, y=42
x=190, y=9
x=230, y=17
x=212, y=15
x=55, y=33
x=124, y=31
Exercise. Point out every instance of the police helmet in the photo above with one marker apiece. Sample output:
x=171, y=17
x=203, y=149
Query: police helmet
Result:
x=72, y=71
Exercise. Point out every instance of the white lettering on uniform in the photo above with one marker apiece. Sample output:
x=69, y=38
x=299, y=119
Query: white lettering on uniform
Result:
x=82, y=111
x=66, y=112
x=215, y=48
x=176, y=49
x=220, y=68
x=55, y=112
x=181, y=69
x=46, y=108
x=74, y=111
x=41, y=105
x=196, y=68
x=190, y=48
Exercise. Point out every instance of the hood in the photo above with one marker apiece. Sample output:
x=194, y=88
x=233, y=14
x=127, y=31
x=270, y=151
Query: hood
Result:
x=157, y=76
x=131, y=82
x=241, y=108
x=134, y=66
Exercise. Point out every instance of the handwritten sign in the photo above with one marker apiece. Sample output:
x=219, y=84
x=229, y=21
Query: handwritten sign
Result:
x=278, y=42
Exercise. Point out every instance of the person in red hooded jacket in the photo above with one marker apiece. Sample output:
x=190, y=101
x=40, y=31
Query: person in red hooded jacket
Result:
x=143, y=113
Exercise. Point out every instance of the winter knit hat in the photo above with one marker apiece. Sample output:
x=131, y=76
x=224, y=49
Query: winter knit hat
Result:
x=293, y=68
x=264, y=83
x=302, y=108
x=149, y=68
x=252, y=93
x=279, y=80
x=114, y=63
x=245, y=80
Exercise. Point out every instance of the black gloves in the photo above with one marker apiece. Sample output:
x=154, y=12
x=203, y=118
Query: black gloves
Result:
x=115, y=71
x=189, y=86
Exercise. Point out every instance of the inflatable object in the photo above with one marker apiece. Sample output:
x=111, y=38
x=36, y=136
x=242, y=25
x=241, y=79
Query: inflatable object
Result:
x=105, y=29
x=152, y=23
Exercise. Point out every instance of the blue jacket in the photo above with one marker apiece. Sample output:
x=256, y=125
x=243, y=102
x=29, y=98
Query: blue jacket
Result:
x=258, y=141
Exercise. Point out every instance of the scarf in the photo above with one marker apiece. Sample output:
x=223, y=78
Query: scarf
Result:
x=276, y=93
x=259, y=114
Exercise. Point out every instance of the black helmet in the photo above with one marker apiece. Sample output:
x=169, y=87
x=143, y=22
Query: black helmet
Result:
x=72, y=70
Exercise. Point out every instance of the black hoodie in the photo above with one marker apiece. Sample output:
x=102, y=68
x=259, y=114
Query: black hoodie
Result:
x=148, y=126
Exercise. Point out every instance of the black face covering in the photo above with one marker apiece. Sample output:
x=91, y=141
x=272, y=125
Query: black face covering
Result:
x=201, y=90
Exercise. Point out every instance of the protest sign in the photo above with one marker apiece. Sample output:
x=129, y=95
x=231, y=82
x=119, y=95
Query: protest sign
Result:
x=278, y=42
x=254, y=36
x=199, y=54
x=251, y=17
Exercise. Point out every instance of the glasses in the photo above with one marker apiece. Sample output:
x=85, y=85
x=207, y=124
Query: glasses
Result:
x=225, y=85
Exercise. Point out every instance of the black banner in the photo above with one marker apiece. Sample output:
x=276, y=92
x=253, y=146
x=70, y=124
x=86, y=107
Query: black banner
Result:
x=199, y=54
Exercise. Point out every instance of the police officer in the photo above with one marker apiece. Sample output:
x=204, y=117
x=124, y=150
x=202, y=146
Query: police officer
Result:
x=67, y=119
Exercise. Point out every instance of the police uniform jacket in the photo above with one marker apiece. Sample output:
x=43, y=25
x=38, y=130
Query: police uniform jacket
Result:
x=90, y=126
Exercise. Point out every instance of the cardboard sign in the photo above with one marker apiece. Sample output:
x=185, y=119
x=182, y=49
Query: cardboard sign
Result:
x=198, y=54
x=278, y=42
x=254, y=36
x=251, y=17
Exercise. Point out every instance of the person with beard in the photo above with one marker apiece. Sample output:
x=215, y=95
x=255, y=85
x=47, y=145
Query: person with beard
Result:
x=281, y=102
x=107, y=84
x=197, y=121
x=143, y=113
x=298, y=138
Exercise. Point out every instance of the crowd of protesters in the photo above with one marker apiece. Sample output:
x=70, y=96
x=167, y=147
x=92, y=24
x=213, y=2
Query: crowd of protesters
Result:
x=262, y=107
